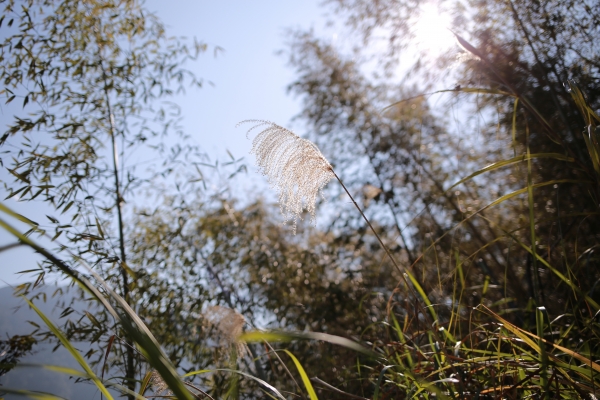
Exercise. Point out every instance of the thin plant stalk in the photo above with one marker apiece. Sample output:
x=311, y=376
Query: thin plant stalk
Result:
x=130, y=362
x=403, y=272
x=298, y=170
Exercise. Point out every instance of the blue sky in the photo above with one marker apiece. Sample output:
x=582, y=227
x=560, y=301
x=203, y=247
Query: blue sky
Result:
x=248, y=82
x=249, y=78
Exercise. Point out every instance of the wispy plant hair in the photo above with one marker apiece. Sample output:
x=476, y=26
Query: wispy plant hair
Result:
x=158, y=384
x=228, y=325
x=294, y=166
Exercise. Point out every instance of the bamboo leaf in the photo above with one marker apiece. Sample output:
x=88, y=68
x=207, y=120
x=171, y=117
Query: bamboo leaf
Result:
x=20, y=217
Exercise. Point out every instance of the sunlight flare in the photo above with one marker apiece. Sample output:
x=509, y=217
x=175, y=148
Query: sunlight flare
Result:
x=432, y=29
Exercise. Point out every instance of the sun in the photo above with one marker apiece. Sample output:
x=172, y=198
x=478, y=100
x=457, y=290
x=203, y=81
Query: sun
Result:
x=432, y=29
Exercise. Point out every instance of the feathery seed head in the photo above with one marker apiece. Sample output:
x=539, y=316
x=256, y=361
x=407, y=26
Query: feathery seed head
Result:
x=228, y=325
x=158, y=384
x=294, y=167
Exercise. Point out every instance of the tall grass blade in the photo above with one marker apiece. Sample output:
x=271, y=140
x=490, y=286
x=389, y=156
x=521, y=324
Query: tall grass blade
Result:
x=422, y=294
x=380, y=380
x=131, y=323
x=233, y=371
x=514, y=160
x=147, y=344
x=402, y=339
x=531, y=339
x=305, y=379
x=556, y=272
x=275, y=336
x=67, y=344
x=471, y=49
x=31, y=395
x=455, y=90
x=18, y=216
x=145, y=382
x=534, y=272
x=78, y=373
x=539, y=322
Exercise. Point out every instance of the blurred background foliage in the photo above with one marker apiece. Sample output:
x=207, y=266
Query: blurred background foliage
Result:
x=486, y=191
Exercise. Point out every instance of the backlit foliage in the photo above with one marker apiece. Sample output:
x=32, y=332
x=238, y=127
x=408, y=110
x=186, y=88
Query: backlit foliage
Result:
x=294, y=166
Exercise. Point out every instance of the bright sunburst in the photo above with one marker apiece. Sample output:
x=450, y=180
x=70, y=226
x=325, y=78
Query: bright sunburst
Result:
x=431, y=29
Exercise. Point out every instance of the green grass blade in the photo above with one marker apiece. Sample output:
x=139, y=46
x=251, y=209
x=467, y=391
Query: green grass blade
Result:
x=423, y=295
x=514, y=125
x=532, y=340
x=305, y=379
x=53, y=368
x=526, y=189
x=475, y=90
x=146, y=342
x=67, y=344
x=402, y=339
x=131, y=323
x=75, y=372
x=511, y=161
x=260, y=381
x=535, y=276
x=528, y=104
x=379, y=380
x=556, y=272
x=276, y=336
x=145, y=382
x=539, y=323
x=198, y=372
x=30, y=394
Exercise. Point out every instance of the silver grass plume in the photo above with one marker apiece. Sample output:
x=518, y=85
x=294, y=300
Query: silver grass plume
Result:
x=158, y=384
x=298, y=170
x=294, y=167
x=228, y=325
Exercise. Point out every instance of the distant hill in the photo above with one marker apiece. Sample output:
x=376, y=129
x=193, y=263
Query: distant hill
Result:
x=14, y=314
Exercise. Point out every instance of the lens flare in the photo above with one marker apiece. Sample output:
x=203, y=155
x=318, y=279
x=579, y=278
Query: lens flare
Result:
x=432, y=29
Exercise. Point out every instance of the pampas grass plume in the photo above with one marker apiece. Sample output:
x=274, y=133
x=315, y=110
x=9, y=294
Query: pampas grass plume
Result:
x=294, y=167
x=228, y=325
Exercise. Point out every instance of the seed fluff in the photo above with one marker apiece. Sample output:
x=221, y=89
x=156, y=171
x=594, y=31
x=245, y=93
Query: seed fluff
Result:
x=294, y=167
x=228, y=325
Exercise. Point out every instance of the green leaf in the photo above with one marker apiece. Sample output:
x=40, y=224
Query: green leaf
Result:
x=67, y=344
x=31, y=395
x=305, y=379
x=93, y=320
x=99, y=227
x=145, y=382
x=380, y=380
x=20, y=217
x=511, y=161
x=260, y=381
x=277, y=336
x=67, y=207
x=21, y=177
